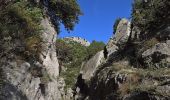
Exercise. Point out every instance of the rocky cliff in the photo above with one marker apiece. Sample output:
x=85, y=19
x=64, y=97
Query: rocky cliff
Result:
x=33, y=79
x=29, y=65
x=133, y=70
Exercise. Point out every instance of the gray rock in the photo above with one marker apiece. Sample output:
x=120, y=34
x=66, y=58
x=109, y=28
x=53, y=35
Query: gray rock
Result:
x=123, y=32
x=119, y=40
x=80, y=40
x=48, y=55
x=88, y=69
x=23, y=83
x=158, y=56
x=112, y=50
x=135, y=34
x=164, y=34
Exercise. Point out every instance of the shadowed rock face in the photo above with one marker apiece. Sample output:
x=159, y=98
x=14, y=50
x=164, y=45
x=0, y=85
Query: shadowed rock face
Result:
x=34, y=79
x=14, y=94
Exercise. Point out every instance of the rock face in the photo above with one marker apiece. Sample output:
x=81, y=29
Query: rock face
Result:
x=89, y=68
x=23, y=86
x=116, y=78
x=120, y=38
x=158, y=56
x=135, y=33
x=48, y=55
x=32, y=79
x=78, y=40
x=123, y=31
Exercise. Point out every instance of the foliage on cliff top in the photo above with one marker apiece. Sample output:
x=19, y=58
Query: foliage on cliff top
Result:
x=22, y=19
x=66, y=11
x=150, y=15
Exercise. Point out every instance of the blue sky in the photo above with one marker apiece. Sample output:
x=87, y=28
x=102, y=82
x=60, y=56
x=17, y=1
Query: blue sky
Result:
x=98, y=19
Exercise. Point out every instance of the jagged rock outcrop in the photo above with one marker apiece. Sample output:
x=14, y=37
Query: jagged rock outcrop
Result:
x=78, y=40
x=94, y=78
x=118, y=79
x=123, y=31
x=135, y=33
x=120, y=38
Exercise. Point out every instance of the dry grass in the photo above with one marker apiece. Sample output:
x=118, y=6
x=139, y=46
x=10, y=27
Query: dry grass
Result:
x=150, y=43
x=131, y=82
x=33, y=45
x=135, y=80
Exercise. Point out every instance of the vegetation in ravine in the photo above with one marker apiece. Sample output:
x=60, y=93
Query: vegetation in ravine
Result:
x=71, y=55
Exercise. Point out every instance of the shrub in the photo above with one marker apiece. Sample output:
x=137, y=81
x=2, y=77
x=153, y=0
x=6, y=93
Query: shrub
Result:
x=132, y=81
x=150, y=43
x=150, y=15
x=66, y=11
x=21, y=20
x=116, y=24
x=33, y=46
x=94, y=48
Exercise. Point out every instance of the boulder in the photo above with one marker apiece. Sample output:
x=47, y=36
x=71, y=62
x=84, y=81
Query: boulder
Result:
x=23, y=85
x=157, y=56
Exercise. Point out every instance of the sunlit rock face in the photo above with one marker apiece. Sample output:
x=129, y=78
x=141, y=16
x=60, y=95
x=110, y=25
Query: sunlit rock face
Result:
x=48, y=55
x=120, y=38
x=80, y=40
x=123, y=31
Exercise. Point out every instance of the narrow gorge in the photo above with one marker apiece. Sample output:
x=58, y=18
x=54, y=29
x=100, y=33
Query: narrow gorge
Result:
x=35, y=64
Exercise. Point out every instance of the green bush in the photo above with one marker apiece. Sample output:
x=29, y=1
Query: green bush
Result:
x=67, y=12
x=150, y=15
x=71, y=55
x=21, y=20
x=94, y=48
